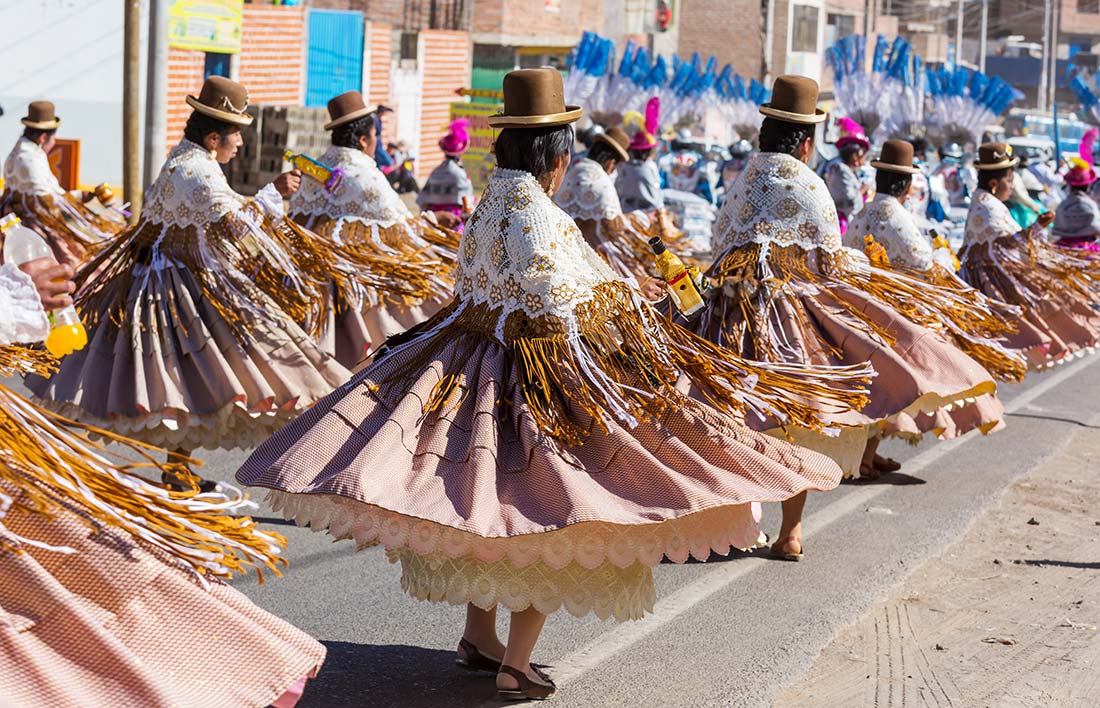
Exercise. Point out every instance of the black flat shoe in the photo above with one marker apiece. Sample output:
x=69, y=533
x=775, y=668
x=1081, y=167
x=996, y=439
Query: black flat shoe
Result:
x=475, y=660
x=528, y=690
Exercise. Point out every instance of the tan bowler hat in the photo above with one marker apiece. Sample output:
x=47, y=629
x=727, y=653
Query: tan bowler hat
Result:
x=995, y=156
x=618, y=140
x=41, y=116
x=896, y=156
x=534, y=98
x=223, y=99
x=794, y=100
x=345, y=108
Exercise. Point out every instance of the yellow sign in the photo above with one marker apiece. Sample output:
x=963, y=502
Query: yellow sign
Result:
x=478, y=158
x=206, y=25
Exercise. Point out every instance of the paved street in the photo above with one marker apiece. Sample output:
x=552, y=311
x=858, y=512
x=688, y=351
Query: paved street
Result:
x=730, y=633
x=734, y=632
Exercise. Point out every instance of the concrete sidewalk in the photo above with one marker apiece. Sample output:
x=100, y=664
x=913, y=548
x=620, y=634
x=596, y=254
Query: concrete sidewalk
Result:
x=1006, y=616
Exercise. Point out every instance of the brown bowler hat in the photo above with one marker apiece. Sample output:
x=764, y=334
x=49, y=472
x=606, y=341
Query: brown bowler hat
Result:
x=534, y=98
x=995, y=156
x=223, y=99
x=41, y=116
x=896, y=156
x=794, y=100
x=618, y=140
x=345, y=108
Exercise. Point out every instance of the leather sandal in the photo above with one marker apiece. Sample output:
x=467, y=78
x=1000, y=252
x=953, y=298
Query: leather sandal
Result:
x=474, y=660
x=778, y=554
x=528, y=690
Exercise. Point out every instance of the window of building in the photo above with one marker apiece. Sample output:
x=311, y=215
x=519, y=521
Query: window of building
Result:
x=837, y=26
x=804, y=20
x=1088, y=7
x=410, y=43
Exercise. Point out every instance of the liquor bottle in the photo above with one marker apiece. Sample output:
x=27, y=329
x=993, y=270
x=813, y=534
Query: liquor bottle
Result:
x=675, y=273
x=67, y=333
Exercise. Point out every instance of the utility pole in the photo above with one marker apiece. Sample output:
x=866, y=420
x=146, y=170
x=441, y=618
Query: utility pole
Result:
x=156, y=91
x=131, y=102
x=1052, y=82
x=983, y=39
x=959, y=35
x=867, y=20
x=1042, y=97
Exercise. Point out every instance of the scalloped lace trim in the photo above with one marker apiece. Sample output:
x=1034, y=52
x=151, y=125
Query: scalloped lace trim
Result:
x=588, y=544
x=605, y=591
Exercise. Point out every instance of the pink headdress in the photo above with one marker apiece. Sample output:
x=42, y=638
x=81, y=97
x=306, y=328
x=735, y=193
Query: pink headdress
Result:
x=851, y=132
x=646, y=139
x=1081, y=172
x=457, y=138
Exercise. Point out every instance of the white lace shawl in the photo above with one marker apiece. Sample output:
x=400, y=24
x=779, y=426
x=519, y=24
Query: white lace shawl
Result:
x=588, y=192
x=521, y=252
x=27, y=170
x=363, y=195
x=894, y=227
x=988, y=219
x=24, y=320
x=191, y=190
x=779, y=200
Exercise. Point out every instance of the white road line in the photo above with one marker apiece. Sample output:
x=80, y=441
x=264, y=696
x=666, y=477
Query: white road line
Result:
x=579, y=662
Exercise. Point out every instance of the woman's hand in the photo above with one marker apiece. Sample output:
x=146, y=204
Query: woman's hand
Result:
x=1045, y=219
x=53, y=281
x=654, y=289
x=288, y=182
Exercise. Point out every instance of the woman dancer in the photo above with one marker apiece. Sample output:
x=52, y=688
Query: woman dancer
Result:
x=588, y=195
x=525, y=447
x=790, y=292
x=368, y=220
x=32, y=192
x=1056, y=287
x=448, y=188
x=110, y=590
x=191, y=313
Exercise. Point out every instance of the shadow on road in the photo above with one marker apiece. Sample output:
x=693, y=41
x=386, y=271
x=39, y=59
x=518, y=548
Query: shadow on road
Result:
x=896, y=479
x=1056, y=419
x=394, y=676
x=1062, y=564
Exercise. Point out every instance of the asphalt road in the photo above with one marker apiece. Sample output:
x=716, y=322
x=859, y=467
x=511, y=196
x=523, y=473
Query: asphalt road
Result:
x=731, y=632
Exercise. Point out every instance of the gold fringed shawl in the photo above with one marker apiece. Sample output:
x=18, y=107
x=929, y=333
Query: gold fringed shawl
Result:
x=47, y=465
x=239, y=261
x=411, y=261
x=934, y=299
x=619, y=359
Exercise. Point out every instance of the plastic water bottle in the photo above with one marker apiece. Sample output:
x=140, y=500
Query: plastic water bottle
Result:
x=67, y=333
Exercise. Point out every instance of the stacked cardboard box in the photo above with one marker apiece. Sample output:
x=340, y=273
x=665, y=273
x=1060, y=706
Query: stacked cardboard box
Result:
x=275, y=130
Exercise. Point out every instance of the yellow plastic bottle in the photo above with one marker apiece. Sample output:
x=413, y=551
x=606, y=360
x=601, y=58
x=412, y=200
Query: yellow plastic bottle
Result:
x=67, y=333
x=680, y=285
x=328, y=176
x=875, y=252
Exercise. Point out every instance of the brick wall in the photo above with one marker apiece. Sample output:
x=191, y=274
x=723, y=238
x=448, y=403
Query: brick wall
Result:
x=380, y=47
x=272, y=58
x=185, y=69
x=445, y=67
x=270, y=64
x=528, y=22
x=731, y=30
